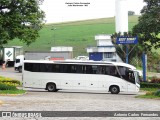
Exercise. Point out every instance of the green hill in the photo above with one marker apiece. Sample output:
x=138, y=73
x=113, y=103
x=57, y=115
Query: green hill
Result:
x=78, y=34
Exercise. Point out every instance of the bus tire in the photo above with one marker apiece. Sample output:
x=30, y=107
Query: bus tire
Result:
x=114, y=89
x=51, y=87
x=20, y=69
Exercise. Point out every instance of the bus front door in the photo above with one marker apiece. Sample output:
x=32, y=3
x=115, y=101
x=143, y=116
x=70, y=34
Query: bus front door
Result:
x=131, y=82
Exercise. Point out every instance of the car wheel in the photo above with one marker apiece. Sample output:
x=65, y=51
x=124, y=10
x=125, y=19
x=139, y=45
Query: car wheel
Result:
x=20, y=69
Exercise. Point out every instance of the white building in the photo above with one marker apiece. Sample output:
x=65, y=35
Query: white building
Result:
x=105, y=49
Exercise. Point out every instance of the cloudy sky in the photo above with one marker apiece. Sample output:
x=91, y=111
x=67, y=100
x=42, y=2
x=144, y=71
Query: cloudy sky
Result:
x=71, y=10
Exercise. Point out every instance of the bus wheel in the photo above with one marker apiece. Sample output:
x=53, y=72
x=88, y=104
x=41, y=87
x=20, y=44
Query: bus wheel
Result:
x=51, y=87
x=114, y=89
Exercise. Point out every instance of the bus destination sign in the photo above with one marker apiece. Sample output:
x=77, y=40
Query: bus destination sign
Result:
x=127, y=40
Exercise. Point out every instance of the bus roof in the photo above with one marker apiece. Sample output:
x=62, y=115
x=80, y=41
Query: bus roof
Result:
x=81, y=62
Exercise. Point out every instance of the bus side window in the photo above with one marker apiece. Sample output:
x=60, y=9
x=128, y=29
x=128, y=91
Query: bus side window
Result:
x=84, y=69
x=61, y=68
x=99, y=70
x=36, y=67
x=73, y=69
x=56, y=68
x=103, y=70
x=94, y=69
x=89, y=69
x=79, y=69
x=49, y=68
x=28, y=66
x=68, y=69
x=113, y=71
x=123, y=72
x=107, y=71
x=42, y=68
x=64, y=68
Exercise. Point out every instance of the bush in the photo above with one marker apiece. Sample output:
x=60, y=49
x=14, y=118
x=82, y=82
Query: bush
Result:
x=149, y=85
x=150, y=93
x=157, y=93
x=155, y=80
x=9, y=81
x=7, y=87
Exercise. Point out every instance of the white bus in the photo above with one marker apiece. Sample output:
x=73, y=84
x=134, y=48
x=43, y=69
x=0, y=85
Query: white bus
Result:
x=81, y=75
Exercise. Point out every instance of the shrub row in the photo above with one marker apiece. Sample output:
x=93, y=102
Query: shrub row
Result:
x=9, y=81
x=156, y=93
x=149, y=85
x=7, y=87
x=155, y=80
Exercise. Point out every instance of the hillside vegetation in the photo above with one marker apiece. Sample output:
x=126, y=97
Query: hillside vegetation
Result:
x=78, y=34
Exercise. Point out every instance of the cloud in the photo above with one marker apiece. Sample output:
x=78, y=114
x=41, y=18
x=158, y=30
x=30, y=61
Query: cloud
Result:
x=71, y=10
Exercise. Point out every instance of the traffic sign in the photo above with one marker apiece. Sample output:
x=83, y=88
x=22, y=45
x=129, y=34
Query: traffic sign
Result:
x=127, y=40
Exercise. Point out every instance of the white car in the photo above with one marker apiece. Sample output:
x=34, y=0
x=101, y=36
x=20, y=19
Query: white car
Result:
x=18, y=63
x=82, y=58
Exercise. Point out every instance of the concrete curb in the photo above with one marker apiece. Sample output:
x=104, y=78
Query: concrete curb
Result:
x=13, y=94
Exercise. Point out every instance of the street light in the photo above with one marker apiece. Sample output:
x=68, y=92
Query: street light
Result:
x=54, y=40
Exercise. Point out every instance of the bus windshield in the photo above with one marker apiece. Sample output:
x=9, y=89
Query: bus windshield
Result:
x=137, y=77
x=128, y=75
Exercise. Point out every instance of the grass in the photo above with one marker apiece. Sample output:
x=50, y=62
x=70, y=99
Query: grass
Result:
x=149, y=93
x=148, y=96
x=78, y=34
x=4, y=92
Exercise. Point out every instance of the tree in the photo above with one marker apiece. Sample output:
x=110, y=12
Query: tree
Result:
x=134, y=50
x=131, y=13
x=148, y=27
x=20, y=19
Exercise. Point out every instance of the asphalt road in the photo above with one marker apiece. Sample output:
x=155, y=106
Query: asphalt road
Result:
x=77, y=101
x=41, y=100
x=10, y=72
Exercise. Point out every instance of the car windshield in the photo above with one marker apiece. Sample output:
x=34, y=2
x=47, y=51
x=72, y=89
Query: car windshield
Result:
x=17, y=60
